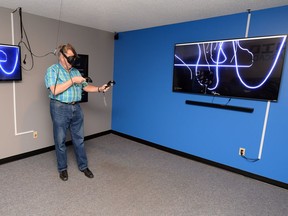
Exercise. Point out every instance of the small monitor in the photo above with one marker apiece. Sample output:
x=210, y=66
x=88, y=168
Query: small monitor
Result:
x=10, y=63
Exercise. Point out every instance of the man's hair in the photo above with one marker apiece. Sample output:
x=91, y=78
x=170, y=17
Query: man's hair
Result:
x=64, y=48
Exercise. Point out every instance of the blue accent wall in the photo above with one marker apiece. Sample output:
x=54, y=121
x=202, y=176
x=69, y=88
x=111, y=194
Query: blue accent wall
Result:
x=145, y=107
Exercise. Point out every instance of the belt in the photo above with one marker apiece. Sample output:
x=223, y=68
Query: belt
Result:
x=69, y=103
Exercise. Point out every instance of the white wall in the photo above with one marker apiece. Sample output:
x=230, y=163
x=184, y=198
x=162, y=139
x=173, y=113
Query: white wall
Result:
x=32, y=103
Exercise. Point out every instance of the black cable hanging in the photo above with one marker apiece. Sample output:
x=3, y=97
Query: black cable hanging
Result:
x=26, y=44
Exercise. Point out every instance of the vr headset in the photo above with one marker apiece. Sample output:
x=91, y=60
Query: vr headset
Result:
x=71, y=59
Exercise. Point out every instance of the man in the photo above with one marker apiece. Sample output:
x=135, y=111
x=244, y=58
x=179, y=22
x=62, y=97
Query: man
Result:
x=65, y=85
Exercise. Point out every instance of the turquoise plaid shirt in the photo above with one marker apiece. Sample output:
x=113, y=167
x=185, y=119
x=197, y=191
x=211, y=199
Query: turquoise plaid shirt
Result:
x=73, y=93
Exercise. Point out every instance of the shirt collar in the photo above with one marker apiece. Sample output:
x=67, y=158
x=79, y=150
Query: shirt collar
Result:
x=61, y=66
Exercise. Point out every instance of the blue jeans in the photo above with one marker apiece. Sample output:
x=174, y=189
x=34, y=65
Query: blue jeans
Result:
x=68, y=117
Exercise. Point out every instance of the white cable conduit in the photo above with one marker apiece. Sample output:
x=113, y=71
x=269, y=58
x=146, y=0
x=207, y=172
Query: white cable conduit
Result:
x=14, y=89
x=268, y=102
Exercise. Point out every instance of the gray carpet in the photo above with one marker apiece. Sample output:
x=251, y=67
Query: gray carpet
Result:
x=132, y=179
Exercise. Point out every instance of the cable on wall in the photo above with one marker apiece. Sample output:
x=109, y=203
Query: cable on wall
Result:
x=14, y=88
x=264, y=130
x=267, y=107
x=26, y=45
x=248, y=22
x=32, y=55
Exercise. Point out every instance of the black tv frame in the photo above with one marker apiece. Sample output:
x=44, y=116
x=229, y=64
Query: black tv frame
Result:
x=198, y=70
x=5, y=58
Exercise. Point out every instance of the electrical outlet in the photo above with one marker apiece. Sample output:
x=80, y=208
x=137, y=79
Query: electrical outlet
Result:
x=242, y=151
x=35, y=134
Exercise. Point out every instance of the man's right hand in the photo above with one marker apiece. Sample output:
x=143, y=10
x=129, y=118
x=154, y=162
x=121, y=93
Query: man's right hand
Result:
x=78, y=79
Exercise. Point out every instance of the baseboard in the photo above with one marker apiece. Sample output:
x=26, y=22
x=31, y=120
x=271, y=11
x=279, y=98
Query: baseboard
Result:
x=47, y=149
x=205, y=161
x=26, y=155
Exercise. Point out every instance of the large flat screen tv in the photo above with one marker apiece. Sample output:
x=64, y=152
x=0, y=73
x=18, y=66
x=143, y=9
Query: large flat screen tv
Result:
x=243, y=68
x=10, y=63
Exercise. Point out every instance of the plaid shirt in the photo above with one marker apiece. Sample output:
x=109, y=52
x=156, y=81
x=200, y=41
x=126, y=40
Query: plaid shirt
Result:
x=73, y=93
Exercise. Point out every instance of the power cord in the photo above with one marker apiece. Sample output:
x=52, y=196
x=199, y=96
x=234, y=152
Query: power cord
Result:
x=27, y=45
x=223, y=104
x=249, y=159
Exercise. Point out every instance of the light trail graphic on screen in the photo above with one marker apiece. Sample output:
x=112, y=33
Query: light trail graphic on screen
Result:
x=215, y=53
x=9, y=60
x=250, y=64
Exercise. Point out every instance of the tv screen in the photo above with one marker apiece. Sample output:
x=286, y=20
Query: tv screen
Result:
x=10, y=63
x=244, y=68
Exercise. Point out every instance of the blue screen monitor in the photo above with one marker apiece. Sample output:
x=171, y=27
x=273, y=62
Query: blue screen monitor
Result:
x=249, y=68
x=10, y=63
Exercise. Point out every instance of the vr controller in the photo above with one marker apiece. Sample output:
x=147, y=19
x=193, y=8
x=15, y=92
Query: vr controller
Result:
x=110, y=83
x=88, y=79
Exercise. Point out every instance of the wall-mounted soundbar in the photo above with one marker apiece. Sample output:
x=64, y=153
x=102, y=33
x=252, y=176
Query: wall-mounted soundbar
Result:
x=220, y=106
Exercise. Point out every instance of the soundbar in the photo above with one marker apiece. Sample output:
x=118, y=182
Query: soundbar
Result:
x=220, y=106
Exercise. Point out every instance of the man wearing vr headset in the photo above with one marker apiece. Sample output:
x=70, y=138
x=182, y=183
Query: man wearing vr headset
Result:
x=65, y=85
